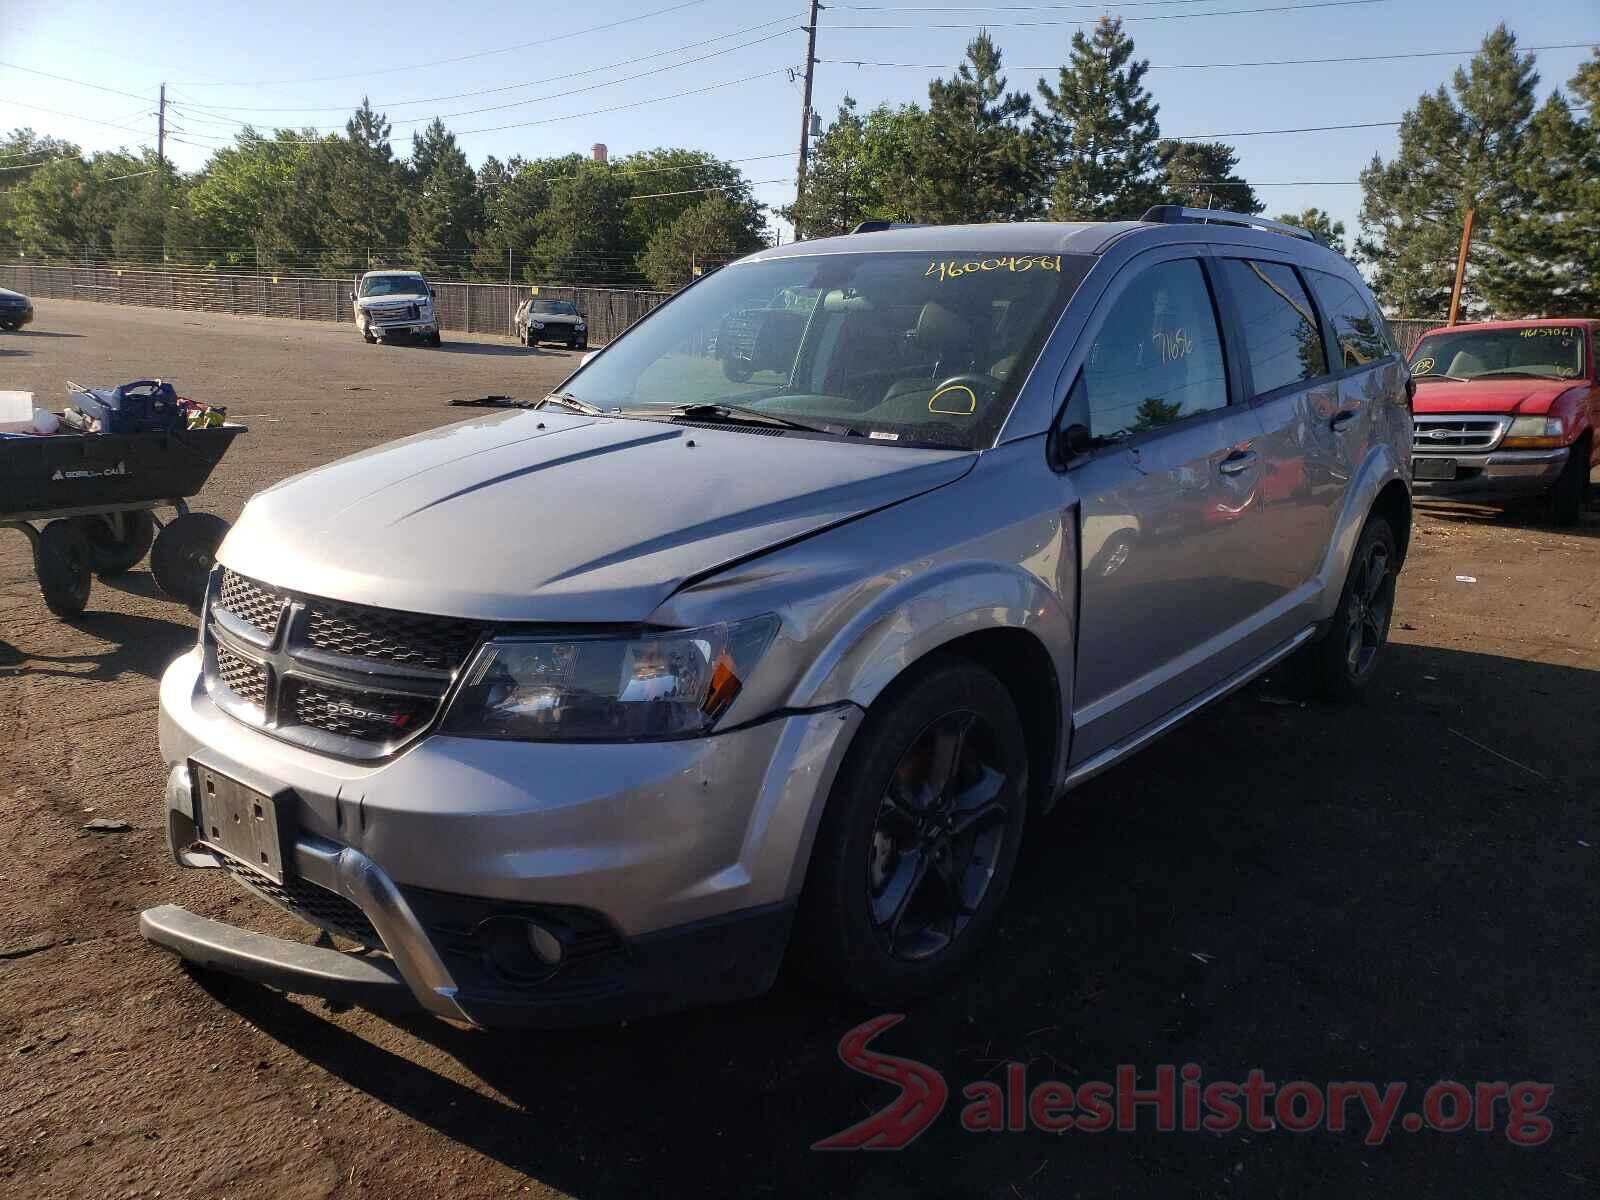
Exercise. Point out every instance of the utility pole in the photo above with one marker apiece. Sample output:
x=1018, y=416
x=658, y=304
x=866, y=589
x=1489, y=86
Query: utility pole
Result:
x=1461, y=267
x=805, y=113
x=161, y=127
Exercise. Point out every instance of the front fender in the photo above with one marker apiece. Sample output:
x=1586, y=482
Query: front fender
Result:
x=1378, y=470
x=919, y=614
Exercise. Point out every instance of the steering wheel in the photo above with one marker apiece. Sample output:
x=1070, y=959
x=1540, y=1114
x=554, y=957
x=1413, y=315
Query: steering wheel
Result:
x=958, y=396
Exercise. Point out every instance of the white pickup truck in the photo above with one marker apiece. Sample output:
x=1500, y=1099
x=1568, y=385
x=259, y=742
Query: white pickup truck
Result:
x=390, y=304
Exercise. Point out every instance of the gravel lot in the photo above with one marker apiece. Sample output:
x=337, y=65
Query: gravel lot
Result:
x=1404, y=890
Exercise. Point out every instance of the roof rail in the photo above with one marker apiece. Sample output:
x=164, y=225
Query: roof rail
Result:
x=880, y=226
x=1177, y=214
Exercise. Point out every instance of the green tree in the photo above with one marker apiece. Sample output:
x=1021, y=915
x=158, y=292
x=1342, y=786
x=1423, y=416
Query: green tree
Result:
x=363, y=222
x=972, y=158
x=1461, y=147
x=517, y=195
x=1550, y=265
x=1099, y=127
x=860, y=169
x=713, y=232
x=1203, y=175
x=445, y=211
x=225, y=218
x=666, y=183
x=1316, y=221
x=584, y=235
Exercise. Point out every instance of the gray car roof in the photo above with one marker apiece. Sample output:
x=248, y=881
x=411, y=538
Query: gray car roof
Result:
x=392, y=271
x=1015, y=237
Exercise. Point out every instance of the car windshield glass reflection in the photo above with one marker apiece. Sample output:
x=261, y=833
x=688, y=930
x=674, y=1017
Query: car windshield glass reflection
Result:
x=901, y=348
x=394, y=285
x=1539, y=351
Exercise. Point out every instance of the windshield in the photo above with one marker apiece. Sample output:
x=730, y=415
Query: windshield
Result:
x=923, y=348
x=1540, y=351
x=562, y=308
x=393, y=285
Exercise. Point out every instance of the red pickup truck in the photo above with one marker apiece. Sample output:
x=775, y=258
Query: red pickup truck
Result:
x=1507, y=408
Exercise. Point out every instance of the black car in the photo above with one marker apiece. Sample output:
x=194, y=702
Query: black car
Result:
x=539, y=320
x=16, y=310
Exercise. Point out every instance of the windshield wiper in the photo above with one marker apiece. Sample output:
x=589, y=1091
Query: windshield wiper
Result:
x=568, y=400
x=1439, y=375
x=738, y=413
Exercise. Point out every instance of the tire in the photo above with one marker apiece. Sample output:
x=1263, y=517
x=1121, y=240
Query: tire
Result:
x=852, y=934
x=368, y=337
x=183, y=555
x=435, y=340
x=110, y=554
x=9, y=327
x=61, y=562
x=1337, y=667
x=1572, y=487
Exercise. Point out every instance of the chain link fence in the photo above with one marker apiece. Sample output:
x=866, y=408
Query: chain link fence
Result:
x=467, y=307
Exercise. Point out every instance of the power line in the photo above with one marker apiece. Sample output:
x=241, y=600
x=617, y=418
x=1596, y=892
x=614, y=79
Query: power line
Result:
x=80, y=82
x=1209, y=137
x=1278, y=62
x=70, y=116
x=506, y=87
x=730, y=187
x=439, y=62
x=1229, y=12
x=551, y=96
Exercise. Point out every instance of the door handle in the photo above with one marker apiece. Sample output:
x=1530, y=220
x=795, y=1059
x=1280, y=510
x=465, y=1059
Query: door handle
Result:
x=1240, y=460
x=1341, y=420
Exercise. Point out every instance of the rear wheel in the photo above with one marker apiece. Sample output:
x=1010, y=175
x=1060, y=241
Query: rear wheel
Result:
x=184, y=553
x=117, y=541
x=1572, y=487
x=920, y=836
x=1343, y=662
x=61, y=562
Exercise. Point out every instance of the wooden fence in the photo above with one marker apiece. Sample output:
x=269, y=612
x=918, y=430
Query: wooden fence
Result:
x=468, y=307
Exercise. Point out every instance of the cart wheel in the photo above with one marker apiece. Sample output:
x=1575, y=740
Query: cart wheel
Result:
x=183, y=554
x=112, y=555
x=61, y=562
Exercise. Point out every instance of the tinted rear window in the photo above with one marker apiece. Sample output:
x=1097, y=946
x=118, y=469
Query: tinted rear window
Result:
x=1281, y=334
x=1359, y=329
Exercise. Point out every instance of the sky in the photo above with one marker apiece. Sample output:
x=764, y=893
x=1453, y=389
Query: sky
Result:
x=542, y=75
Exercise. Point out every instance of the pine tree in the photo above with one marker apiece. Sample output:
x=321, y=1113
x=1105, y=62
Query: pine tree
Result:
x=972, y=158
x=1316, y=221
x=1100, y=129
x=445, y=210
x=1203, y=175
x=364, y=219
x=1459, y=148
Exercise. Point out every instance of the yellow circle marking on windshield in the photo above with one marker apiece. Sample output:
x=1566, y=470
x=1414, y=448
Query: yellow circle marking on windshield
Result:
x=972, y=401
x=1422, y=366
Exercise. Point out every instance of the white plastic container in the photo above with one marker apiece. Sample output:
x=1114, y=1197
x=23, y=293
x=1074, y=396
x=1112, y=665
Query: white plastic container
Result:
x=16, y=412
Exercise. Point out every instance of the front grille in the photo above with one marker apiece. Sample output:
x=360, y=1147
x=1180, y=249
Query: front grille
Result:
x=409, y=639
x=342, y=678
x=242, y=677
x=252, y=603
x=311, y=902
x=1458, y=433
x=360, y=715
x=404, y=312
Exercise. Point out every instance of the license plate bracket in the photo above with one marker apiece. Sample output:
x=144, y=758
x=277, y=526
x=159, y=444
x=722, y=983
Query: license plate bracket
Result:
x=245, y=824
x=1433, y=468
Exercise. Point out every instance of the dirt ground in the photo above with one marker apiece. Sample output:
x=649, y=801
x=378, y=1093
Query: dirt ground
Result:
x=1403, y=890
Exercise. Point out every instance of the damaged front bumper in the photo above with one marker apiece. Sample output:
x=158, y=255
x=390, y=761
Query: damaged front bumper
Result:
x=656, y=876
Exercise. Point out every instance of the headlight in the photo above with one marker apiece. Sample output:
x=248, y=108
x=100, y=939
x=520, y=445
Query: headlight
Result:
x=579, y=325
x=656, y=685
x=535, y=324
x=1533, y=433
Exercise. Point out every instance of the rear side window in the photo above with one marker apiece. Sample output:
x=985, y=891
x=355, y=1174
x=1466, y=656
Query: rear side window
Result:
x=1360, y=331
x=1158, y=356
x=1281, y=335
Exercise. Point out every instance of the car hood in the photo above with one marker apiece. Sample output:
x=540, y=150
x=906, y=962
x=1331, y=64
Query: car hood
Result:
x=395, y=298
x=1525, y=397
x=548, y=516
x=8, y=294
x=553, y=318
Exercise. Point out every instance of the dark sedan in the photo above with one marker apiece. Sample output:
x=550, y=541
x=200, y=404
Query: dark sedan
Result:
x=16, y=310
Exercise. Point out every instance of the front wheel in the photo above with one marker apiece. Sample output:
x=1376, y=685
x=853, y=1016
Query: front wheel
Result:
x=920, y=836
x=117, y=545
x=435, y=340
x=1572, y=487
x=1343, y=662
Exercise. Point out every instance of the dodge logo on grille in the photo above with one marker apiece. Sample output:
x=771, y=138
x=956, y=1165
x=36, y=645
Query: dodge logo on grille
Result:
x=344, y=708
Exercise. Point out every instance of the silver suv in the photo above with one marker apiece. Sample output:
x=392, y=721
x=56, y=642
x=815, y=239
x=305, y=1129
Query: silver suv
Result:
x=773, y=630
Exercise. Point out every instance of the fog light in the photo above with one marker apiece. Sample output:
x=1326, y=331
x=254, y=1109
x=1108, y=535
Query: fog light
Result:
x=545, y=945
